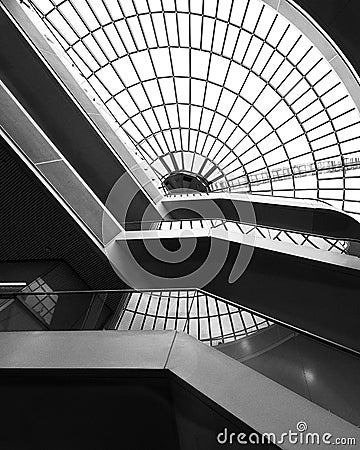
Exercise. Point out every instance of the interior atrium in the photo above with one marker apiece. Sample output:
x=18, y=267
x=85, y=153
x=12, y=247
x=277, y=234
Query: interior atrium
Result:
x=180, y=223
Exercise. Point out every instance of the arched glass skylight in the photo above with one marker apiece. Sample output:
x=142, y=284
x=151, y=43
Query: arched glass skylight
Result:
x=208, y=319
x=227, y=89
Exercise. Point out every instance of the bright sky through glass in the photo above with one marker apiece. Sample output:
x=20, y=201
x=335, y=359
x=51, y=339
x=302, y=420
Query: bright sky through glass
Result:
x=228, y=89
x=208, y=319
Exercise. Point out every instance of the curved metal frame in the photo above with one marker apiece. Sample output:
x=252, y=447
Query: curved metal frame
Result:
x=241, y=170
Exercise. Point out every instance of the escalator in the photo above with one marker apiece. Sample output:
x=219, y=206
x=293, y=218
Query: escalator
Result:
x=72, y=149
x=321, y=373
x=310, y=289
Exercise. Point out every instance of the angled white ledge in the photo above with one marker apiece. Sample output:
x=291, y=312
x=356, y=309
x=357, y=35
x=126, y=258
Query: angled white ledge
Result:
x=256, y=400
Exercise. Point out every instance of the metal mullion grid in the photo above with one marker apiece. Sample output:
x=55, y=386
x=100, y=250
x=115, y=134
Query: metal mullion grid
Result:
x=226, y=75
x=260, y=231
x=41, y=301
x=206, y=82
x=305, y=134
x=241, y=64
x=279, y=162
x=80, y=39
x=175, y=88
x=103, y=27
x=202, y=17
x=299, y=174
x=247, y=134
x=329, y=134
x=156, y=78
x=282, y=124
x=292, y=88
x=146, y=311
x=325, y=110
x=334, y=245
x=312, y=244
x=240, y=228
x=294, y=68
x=252, y=66
x=123, y=311
x=47, y=293
x=51, y=27
x=266, y=168
x=20, y=298
x=210, y=134
x=48, y=23
x=92, y=32
x=278, y=237
x=292, y=239
x=224, y=143
x=93, y=72
x=267, y=83
x=176, y=12
x=307, y=239
x=233, y=332
x=208, y=318
x=190, y=70
x=182, y=103
x=158, y=83
x=167, y=308
x=223, y=174
x=319, y=112
x=283, y=98
x=156, y=315
x=253, y=228
x=142, y=85
x=340, y=142
x=294, y=138
x=177, y=315
x=312, y=169
x=134, y=311
x=311, y=87
x=245, y=328
x=338, y=244
x=339, y=129
x=219, y=318
x=159, y=87
x=201, y=44
x=139, y=130
x=254, y=321
x=198, y=317
x=188, y=311
x=112, y=96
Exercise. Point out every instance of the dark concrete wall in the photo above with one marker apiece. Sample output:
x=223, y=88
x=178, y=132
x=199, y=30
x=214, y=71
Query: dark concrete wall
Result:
x=34, y=227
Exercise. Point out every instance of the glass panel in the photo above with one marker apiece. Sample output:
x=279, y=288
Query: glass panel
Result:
x=235, y=85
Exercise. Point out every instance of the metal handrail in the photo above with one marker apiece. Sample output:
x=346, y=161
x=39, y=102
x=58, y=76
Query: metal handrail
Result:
x=224, y=221
x=203, y=292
